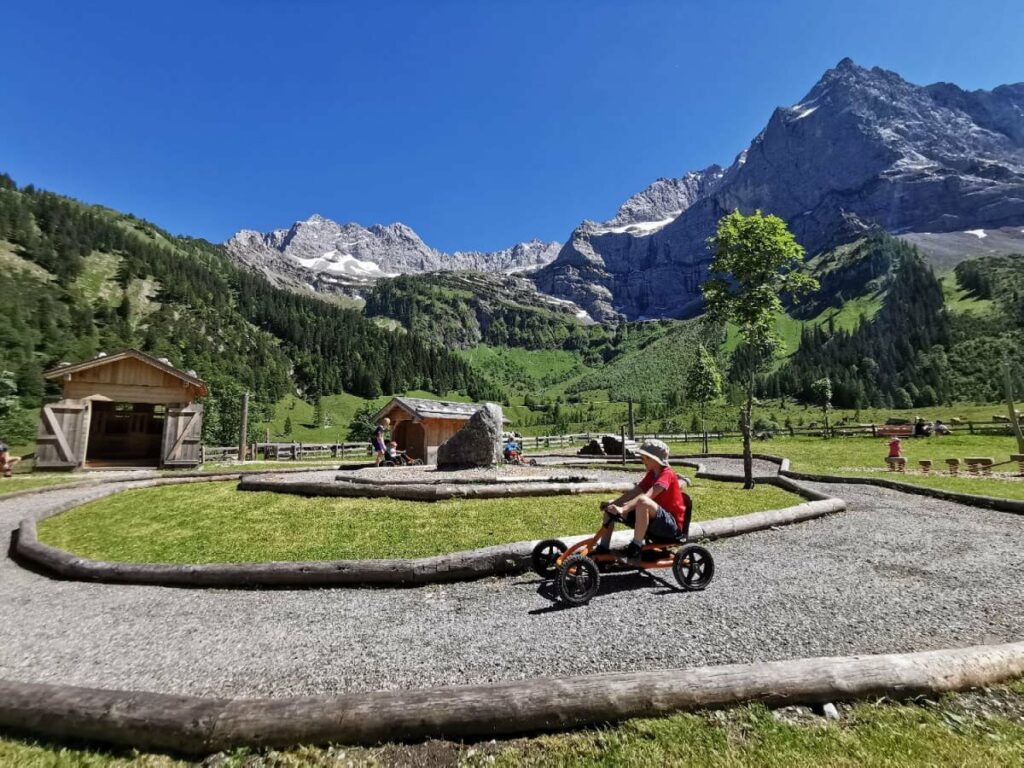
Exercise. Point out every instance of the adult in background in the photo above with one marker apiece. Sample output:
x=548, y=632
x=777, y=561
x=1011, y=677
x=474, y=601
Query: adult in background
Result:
x=379, y=439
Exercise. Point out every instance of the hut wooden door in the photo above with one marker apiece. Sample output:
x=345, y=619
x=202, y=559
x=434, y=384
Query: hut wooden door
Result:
x=183, y=427
x=63, y=435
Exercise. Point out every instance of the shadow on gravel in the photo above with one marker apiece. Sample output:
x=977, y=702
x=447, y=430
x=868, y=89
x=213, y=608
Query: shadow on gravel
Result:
x=25, y=563
x=611, y=582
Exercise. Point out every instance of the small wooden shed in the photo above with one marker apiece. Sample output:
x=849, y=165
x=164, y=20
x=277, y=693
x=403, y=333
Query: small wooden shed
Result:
x=123, y=409
x=420, y=426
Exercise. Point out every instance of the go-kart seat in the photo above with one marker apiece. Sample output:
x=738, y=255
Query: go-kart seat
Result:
x=684, y=535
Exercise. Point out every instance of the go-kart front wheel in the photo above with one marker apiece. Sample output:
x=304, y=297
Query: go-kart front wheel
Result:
x=693, y=568
x=545, y=555
x=578, y=580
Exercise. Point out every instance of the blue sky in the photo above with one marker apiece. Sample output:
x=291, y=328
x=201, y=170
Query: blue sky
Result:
x=477, y=123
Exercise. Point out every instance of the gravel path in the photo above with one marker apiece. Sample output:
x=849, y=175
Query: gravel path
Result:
x=895, y=573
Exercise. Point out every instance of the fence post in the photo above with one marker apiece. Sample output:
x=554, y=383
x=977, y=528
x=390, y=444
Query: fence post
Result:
x=970, y=426
x=623, y=430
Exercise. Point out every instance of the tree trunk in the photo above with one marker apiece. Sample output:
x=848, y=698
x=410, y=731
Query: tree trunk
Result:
x=748, y=459
x=1011, y=407
x=703, y=429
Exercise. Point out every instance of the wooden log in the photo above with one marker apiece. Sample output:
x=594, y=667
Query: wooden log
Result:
x=199, y=726
x=499, y=560
x=432, y=492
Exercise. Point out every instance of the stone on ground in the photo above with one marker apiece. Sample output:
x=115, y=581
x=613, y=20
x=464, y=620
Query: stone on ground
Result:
x=593, y=448
x=478, y=444
x=613, y=446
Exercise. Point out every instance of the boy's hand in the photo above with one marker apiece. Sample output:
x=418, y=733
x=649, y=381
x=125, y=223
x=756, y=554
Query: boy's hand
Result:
x=613, y=510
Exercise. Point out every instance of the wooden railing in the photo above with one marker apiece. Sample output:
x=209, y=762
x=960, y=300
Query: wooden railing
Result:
x=287, y=451
x=296, y=451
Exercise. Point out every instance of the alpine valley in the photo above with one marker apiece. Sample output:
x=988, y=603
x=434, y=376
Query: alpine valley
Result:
x=908, y=199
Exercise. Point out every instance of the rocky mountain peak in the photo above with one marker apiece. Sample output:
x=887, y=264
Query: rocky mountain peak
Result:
x=863, y=149
x=326, y=256
x=667, y=198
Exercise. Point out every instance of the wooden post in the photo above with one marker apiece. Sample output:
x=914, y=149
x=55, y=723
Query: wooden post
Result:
x=1008, y=386
x=632, y=423
x=623, y=431
x=243, y=428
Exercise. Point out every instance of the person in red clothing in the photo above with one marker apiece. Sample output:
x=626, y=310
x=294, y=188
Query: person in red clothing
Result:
x=894, y=448
x=655, y=506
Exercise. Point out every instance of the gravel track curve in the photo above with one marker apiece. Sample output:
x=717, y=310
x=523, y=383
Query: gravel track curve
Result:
x=895, y=573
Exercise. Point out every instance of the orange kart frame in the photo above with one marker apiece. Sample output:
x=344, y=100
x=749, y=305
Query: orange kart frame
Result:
x=577, y=569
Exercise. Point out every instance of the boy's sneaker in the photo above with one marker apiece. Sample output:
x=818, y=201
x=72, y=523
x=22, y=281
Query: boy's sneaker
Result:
x=632, y=552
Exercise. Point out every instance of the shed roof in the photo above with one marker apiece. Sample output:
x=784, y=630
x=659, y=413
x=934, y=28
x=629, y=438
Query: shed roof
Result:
x=431, y=409
x=104, y=359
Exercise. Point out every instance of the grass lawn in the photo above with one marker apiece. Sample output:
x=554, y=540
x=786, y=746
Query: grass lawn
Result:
x=955, y=730
x=215, y=522
x=865, y=457
x=28, y=480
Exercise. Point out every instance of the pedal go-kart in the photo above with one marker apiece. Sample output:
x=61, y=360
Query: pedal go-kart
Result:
x=577, y=570
x=396, y=463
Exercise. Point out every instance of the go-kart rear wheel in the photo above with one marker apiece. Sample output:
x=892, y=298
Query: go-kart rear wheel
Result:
x=693, y=568
x=545, y=555
x=578, y=580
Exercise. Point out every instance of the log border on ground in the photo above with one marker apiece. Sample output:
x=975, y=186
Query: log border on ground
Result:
x=500, y=560
x=199, y=726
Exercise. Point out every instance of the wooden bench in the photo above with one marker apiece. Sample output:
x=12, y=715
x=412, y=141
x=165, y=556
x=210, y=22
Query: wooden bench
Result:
x=897, y=463
x=953, y=465
x=977, y=465
x=926, y=466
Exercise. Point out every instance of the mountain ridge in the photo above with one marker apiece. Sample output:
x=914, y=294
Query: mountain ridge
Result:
x=325, y=256
x=862, y=149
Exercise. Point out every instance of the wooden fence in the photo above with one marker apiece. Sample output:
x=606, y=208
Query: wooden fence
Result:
x=287, y=451
x=311, y=451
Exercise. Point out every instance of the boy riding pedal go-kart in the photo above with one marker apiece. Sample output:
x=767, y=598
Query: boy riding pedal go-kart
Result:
x=659, y=513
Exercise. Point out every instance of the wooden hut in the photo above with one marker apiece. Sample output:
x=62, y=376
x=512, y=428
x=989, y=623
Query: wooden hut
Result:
x=124, y=409
x=420, y=426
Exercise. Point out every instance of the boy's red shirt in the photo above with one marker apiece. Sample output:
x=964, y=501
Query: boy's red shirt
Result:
x=671, y=497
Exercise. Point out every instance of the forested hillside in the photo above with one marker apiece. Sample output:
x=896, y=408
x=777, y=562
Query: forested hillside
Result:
x=78, y=279
x=464, y=309
x=916, y=351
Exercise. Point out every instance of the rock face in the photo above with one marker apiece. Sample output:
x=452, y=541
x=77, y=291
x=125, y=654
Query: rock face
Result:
x=478, y=444
x=667, y=198
x=863, y=149
x=325, y=256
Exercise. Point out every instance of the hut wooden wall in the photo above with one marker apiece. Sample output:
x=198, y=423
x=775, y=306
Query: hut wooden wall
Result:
x=128, y=381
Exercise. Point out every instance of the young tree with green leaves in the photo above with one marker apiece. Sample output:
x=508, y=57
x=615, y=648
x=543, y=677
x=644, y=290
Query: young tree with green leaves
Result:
x=757, y=261
x=362, y=425
x=703, y=386
x=822, y=389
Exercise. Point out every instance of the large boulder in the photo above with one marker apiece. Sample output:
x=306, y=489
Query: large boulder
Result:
x=613, y=446
x=478, y=444
x=593, y=448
